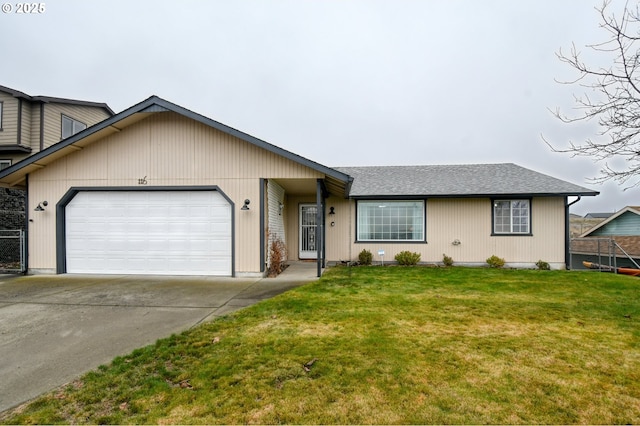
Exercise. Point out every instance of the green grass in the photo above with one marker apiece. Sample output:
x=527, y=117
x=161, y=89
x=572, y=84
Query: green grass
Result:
x=392, y=345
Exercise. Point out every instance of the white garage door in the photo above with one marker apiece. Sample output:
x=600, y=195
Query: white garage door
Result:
x=148, y=232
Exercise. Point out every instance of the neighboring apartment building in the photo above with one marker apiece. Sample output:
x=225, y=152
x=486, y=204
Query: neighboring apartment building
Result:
x=29, y=124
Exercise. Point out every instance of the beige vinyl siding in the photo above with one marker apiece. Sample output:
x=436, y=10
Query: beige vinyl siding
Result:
x=17, y=157
x=53, y=119
x=167, y=150
x=27, y=122
x=34, y=131
x=469, y=222
x=340, y=237
x=465, y=220
x=9, y=132
x=42, y=226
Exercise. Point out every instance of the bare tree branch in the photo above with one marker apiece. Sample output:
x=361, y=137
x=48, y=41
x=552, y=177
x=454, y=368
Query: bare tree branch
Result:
x=611, y=97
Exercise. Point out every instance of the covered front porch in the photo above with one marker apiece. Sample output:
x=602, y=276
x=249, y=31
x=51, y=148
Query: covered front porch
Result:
x=296, y=212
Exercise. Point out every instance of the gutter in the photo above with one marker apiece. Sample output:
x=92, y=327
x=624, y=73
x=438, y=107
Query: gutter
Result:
x=567, y=233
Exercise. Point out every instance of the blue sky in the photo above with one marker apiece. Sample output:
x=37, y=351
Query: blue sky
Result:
x=344, y=83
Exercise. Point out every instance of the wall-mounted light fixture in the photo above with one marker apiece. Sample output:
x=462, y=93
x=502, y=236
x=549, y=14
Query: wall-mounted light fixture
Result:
x=331, y=211
x=246, y=204
x=280, y=208
x=41, y=206
x=456, y=242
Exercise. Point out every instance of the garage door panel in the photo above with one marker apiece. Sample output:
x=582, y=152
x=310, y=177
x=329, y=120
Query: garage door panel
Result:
x=130, y=246
x=114, y=262
x=155, y=228
x=206, y=228
x=117, y=227
x=179, y=228
x=202, y=246
x=149, y=232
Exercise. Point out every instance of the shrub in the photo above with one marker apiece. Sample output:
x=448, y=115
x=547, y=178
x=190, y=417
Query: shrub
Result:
x=277, y=255
x=495, y=262
x=447, y=260
x=365, y=257
x=542, y=265
x=407, y=258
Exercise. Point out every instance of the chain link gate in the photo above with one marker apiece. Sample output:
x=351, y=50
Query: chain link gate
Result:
x=12, y=251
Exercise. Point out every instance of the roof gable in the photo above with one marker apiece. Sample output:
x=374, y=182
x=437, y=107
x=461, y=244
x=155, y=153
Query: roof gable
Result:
x=15, y=175
x=623, y=222
x=469, y=180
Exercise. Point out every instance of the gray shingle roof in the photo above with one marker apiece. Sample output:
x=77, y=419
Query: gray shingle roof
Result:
x=456, y=180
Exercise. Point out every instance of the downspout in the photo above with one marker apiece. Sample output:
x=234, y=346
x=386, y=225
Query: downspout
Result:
x=567, y=233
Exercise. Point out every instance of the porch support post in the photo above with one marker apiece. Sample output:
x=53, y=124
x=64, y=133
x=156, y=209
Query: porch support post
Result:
x=319, y=225
x=264, y=248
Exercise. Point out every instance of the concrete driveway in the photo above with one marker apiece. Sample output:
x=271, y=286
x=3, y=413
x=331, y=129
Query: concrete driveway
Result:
x=54, y=328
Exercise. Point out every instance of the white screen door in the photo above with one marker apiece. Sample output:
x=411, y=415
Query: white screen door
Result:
x=308, y=248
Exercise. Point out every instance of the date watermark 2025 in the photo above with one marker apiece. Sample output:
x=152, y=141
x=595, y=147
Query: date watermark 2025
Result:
x=24, y=8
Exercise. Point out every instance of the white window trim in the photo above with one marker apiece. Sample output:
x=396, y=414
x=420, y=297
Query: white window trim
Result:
x=422, y=224
x=5, y=164
x=494, y=202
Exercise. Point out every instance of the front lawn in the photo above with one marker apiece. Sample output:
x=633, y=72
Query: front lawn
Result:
x=386, y=345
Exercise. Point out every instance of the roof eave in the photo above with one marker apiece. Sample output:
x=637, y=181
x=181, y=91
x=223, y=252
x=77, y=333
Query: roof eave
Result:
x=49, y=99
x=482, y=195
x=15, y=93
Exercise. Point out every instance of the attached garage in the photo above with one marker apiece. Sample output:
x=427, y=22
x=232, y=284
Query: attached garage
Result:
x=160, y=232
x=159, y=189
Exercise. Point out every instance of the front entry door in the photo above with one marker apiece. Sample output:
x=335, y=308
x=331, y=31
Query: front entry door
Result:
x=308, y=248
